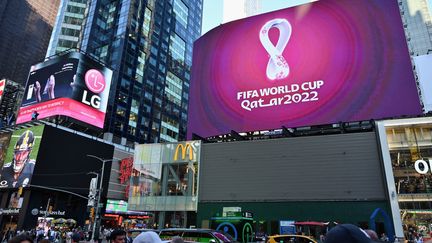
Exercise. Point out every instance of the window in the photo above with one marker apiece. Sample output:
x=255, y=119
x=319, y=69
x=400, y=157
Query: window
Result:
x=177, y=47
x=181, y=12
x=173, y=88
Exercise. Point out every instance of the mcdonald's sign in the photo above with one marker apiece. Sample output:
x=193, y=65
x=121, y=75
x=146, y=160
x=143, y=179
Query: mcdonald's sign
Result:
x=184, y=150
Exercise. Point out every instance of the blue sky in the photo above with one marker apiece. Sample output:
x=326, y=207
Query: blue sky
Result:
x=212, y=15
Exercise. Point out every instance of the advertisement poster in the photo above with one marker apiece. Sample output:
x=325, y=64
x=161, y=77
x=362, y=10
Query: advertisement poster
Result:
x=71, y=85
x=424, y=72
x=4, y=143
x=319, y=63
x=21, y=157
x=15, y=200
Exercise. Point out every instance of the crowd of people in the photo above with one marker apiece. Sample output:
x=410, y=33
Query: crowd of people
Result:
x=77, y=235
x=342, y=233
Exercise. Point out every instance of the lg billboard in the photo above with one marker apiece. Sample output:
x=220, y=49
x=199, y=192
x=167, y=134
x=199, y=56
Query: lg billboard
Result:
x=319, y=63
x=71, y=85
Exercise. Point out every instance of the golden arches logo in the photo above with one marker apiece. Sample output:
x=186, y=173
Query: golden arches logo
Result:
x=184, y=150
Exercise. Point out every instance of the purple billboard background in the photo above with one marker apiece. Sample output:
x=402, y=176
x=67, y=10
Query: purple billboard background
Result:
x=352, y=53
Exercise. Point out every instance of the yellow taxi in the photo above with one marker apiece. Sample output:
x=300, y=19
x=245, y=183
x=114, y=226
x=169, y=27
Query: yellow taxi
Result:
x=290, y=239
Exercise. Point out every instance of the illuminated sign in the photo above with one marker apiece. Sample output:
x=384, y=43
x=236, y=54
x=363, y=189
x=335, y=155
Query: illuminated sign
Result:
x=184, y=150
x=116, y=206
x=2, y=87
x=318, y=63
x=423, y=167
x=125, y=172
x=71, y=85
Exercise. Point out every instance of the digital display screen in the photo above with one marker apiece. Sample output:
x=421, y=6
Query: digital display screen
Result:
x=423, y=68
x=71, y=85
x=318, y=63
x=21, y=156
x=116, y=206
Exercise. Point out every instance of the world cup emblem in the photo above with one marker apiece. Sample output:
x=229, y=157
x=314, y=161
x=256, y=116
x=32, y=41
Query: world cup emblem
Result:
x=277, y=66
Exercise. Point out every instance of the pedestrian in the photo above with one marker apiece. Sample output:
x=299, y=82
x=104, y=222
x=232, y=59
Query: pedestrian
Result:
x=177, y=239
x=384, y=237
x=147, y=237
x=129, y=237
x=118, y=236
x=372, y=234
x=23, y=238
x=76, y=237
x=347, y=233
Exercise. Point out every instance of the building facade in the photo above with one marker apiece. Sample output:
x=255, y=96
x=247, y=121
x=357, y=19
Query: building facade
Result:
x=26, y=29
x=11, y=94
x=164, y=183
x=233, y=10
x=68, y=26
x=148, y=44
x=407, y=151
x=417, y=22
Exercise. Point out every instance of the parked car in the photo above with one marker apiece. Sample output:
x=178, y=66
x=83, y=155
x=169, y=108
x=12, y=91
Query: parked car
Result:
x=290, y=239
x=196, y=235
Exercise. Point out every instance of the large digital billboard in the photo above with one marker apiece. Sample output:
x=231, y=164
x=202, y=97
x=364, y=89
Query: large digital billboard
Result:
x=424, y=72
x=318, y=63
x=21, y=156
x=71, y=85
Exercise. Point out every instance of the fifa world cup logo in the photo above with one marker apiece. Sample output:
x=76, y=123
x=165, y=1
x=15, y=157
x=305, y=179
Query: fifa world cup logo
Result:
x=277, y=67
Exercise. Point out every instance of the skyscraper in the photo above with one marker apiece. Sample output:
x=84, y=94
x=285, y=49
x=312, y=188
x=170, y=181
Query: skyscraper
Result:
x=148, y=44
x=25, y=28
x=238, y=9
x=68, y=26
x=417, y=22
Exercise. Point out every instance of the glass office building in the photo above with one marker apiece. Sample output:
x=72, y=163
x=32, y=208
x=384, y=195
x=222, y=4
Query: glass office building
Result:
x=148, y=44
x=69, y=23
x=25, y=28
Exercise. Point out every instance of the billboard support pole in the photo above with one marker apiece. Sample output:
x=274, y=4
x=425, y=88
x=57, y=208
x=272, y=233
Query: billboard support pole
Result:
x=96, y=224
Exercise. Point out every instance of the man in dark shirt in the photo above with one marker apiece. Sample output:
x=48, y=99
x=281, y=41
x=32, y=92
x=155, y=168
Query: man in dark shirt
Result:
x=18, y=172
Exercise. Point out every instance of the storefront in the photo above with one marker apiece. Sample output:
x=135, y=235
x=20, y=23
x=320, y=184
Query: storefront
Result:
x=164, y=183
x=117, y=215
x=407, y=154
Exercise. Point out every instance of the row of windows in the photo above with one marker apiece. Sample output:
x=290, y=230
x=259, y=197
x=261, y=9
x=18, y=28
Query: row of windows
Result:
x=181, y=12
x=72, y=20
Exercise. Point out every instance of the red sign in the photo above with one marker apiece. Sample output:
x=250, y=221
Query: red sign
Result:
x=126, y=165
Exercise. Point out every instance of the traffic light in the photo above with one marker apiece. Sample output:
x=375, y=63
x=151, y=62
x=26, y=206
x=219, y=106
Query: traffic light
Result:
x=20, y=189
x=92, y=213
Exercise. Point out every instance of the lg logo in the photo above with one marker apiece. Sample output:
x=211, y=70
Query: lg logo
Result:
x=95, y=82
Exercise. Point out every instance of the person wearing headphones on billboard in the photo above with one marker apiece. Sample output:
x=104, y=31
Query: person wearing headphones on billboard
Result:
x=18, y=172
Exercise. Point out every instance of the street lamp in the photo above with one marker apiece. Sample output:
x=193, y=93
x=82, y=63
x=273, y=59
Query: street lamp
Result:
x=98, y=217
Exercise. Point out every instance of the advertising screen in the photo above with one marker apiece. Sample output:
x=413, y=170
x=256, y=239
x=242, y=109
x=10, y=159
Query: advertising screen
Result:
x=21, y=157
x=116, y=206
x=4, y=143
x=71, y=85
x=318, y=63
x=424, y=73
